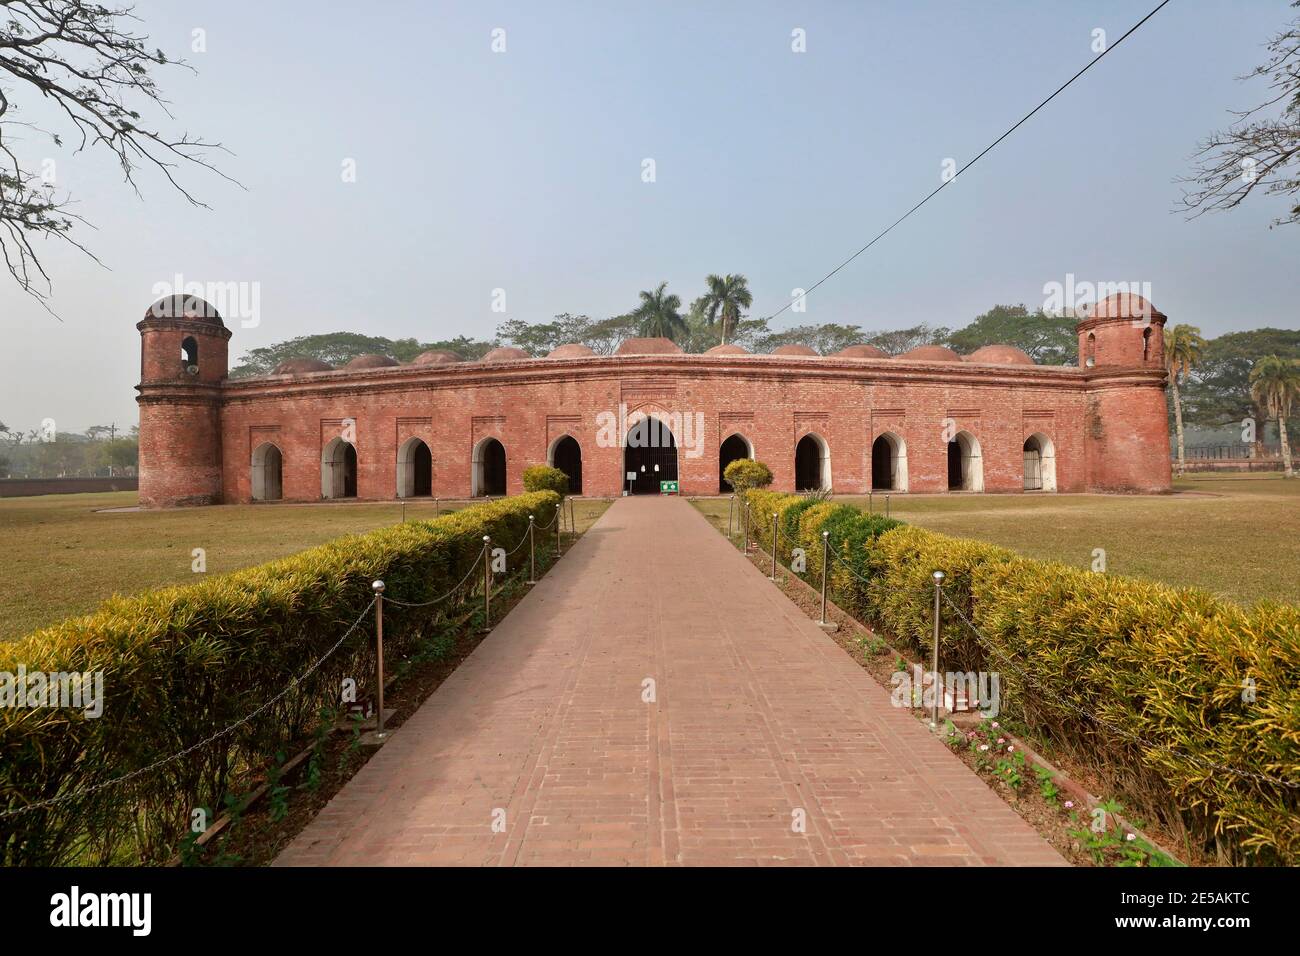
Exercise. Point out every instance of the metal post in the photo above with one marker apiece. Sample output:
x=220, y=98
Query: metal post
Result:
x=557, y=531
x=934, y=659
x=573, y=520
x=747, y=527
x=487, y=581
x=437, y=510
x=403, y=512
x=378, y=587
x=731, y=506
x=871, y=502
x=532, y=554
x=774, y=535
x=826, y=560
x=886, y=506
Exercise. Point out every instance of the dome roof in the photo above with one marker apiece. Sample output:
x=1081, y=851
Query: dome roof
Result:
x=184, y=307
x=301, y=366
x=436, y=357
x=571, y=350
x=1124, y=305
x=793, y=350
x=505, y=353
x=372, y=361
x=931, y=353
x=862, y=351
x=648, y=347
x=728, y=349
x=1000, y=355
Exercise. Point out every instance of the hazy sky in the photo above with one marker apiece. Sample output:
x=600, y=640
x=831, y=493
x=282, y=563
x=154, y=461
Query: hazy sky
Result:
x=522, y=171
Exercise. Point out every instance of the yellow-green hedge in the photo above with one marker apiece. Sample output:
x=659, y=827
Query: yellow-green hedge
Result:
x=1148, y=685
x=182, y=663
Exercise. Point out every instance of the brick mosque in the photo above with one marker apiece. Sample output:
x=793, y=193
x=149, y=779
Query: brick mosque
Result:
x=926, y=421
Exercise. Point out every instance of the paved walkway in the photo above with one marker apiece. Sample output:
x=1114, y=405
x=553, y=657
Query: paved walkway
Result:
x=758, y=720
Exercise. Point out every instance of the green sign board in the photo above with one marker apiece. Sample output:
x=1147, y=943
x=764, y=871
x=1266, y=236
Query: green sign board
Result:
x=667, y=487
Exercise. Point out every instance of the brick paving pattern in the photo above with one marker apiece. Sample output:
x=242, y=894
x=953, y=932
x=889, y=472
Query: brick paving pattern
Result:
x=758, y=719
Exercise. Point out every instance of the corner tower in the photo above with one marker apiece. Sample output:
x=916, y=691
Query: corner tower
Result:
x=183, y=361
x=1122, y=353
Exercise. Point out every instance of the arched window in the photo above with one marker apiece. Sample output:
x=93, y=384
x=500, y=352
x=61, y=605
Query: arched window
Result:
x=566, y=455
x=649, y=455
x=190, y=355
x=1040, y=464
x=812, y=464
x=414, y=469
x=889, y=463
x=965, y=466
x=268, y=466
x=733, y=449
x=338, y=470
x=488, y=476
x=1090, y=351
x=1146, y=344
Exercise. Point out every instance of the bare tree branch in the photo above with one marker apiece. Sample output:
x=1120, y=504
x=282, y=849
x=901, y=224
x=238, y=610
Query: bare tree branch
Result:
x=84, y=58
x=1256, y=153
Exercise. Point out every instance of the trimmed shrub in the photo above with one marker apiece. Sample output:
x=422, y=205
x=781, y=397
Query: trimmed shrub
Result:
x=546, y=478
x=746, y=473
x=235, y=655
x=1185, y=706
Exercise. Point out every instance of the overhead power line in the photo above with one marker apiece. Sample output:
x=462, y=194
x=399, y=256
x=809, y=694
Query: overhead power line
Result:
x=1091, y=63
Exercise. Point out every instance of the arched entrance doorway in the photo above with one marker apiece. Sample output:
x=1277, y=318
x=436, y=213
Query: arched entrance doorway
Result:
x=965, y=466
x=812, y=464
x=733, y=449
x=489, y=475
x=338, y=470
x=268, y=465
x=889, y=463
x=414, y=470
x=566, y=455
x=1040, y=464
x=649, y=455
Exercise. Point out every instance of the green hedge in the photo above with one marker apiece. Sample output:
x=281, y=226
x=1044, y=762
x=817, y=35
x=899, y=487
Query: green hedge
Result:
x=1145, y=684
x=182, y=663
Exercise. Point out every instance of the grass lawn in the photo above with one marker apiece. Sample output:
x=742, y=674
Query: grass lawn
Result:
x=1238, y=537
x=62, y=555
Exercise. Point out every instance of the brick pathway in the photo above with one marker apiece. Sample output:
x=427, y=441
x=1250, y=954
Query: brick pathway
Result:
x=757, y=715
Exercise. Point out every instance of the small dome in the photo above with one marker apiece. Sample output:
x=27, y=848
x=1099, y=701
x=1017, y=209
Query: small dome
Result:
x=436, y=357
x=301, y=366
x=1124, y=305
x=571, y=350
x=184, y=307
x=372, y=361
x=648, y=347
x=505, y=353
x=728, y=349
x=999, y=355
x=793, y=350
x=861, y=351
x=931, y=353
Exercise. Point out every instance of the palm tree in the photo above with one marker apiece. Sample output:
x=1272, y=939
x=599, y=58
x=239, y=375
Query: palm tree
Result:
x=1183, y=350
x=1275, y=386
x=657, y=315
x=727, y=295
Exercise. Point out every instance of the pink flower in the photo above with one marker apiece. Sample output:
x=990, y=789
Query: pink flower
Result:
x=984, y=746
x=994, y=724
x=1130, y=836
x=1069, y=804
x=1010, y=748
x=1002, y=740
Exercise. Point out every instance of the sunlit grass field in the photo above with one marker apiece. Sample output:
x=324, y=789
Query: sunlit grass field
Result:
x=61, y=555
x=1238, y=537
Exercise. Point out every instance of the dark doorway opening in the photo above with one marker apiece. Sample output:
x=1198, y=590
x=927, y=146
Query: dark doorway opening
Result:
x=492, y=468
x=955, y=482
x=422, y=467
x=650, y=456
x=349, y=470
x=733, y=449
x=808, y=473
x=568, y=458
x=882, y=465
